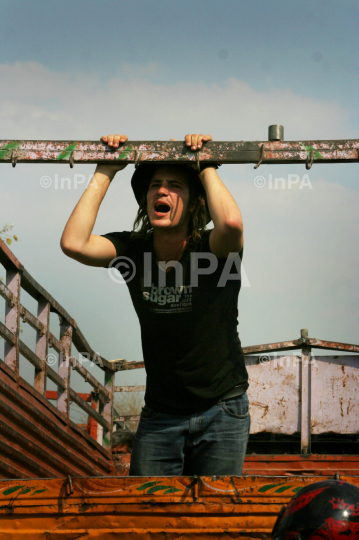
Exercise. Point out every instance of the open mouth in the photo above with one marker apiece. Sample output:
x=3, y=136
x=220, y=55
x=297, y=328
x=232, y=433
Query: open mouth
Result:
x=161, y=208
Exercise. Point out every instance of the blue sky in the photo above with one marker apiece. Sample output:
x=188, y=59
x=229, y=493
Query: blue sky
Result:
x=309, y=47
x=157, y=69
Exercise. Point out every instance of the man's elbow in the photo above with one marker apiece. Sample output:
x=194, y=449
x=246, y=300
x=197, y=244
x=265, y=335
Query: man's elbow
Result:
x=233, y=227
x=69, y=248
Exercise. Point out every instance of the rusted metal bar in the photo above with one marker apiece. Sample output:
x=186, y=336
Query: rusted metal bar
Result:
x=123, y=365
x=63, y=401
x=37, y=362
x=43, y=317
x=84, y=348
x=332, y=345
x=31, y=356
x=54, y=343
x=56, y=378
x=89, y=378
x=7, y=335
x=129, y=388
x=298, y=344
x=305, y=376
x=30, y=319
x=34, y=289
x=268, y=152
x=12, y=320
x=269, y=347
x=88, y=409
x=6, y=294
x=8, y=259
x=108, y=408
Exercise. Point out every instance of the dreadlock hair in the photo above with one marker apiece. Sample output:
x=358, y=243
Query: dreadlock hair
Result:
x=142, y=226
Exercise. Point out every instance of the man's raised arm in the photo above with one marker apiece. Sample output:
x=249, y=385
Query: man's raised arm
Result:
x=77, y=240
x=227, y=235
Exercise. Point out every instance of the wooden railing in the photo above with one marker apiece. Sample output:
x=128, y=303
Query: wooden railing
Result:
x=101, y=409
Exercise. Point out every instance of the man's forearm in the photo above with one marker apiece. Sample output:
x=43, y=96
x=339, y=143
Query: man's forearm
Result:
x=227, y=235
x=222, y=207
x=82, y=220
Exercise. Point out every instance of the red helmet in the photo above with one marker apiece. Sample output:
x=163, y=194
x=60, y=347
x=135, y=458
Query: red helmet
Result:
x=327, y=510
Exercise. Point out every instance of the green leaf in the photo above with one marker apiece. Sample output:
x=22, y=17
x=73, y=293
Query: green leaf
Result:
x=283, y=488
x=38, y=491
x=171, y=490
x=145, y=486
x=12, y=489
x=157, y=488
x=270, y=486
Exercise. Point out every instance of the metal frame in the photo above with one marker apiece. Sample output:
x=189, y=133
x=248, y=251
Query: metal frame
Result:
x=139, y=152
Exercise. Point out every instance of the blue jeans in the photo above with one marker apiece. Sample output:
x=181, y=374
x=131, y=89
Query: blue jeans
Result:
x=210, y=443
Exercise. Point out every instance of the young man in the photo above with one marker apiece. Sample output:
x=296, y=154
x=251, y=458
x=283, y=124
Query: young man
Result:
x=195, y=419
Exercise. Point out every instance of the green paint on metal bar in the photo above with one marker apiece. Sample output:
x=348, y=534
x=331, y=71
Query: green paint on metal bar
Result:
x=12, y=490
x=317, y=154
x=65, y=154
x=145, y=486
x=125, y=153
x=283, y=488
x=38, y=491
x=5, y=151
x=171, y=490
x=25, y=491
x=270, y=486
x=295, y=490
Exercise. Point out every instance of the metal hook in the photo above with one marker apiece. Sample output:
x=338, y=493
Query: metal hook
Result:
x=71, y=489
x=13, y=158
x=310, y=159
x=137, y=158
x=71, y=159
x=261, y=156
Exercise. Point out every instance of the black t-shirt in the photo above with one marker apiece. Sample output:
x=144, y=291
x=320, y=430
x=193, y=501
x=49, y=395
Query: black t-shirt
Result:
x=190, y=343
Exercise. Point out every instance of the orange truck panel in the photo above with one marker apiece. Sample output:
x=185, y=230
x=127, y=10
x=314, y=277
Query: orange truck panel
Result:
x=142, y=508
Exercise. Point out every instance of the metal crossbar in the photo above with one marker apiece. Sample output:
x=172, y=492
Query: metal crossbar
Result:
x=139, y=152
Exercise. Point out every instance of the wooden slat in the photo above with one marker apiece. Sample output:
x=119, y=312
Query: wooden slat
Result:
x=88, y=409
x=12, y=319
x=63, y=401
x=89, y=378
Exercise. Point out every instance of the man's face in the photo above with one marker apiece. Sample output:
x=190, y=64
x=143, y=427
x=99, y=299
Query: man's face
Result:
x=168, y=199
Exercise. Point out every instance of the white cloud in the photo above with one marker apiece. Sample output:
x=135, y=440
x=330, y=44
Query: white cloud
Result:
x=40, y=103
